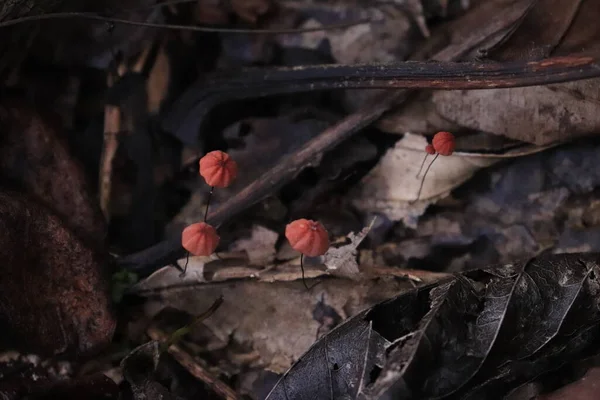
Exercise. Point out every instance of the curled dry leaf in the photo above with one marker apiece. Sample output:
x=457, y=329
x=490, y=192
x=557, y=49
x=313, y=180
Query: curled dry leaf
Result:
x=54, y=291
x=393, y=185
x=477, y=336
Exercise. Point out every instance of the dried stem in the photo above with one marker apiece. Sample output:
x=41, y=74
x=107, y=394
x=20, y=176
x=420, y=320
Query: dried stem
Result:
x=98, y=17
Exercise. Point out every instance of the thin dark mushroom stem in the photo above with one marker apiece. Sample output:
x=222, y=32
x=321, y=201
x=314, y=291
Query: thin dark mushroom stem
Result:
x=187, y=259
x=422, y=164
x=212, y=188
x=302, y=269
x=424, y=175
x=303, y=277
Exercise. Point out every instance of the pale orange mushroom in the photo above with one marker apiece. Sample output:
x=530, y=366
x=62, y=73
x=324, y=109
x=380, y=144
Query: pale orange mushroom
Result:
x=444, y=143
x=200, y=239
x=308, y=237
x=218, y=169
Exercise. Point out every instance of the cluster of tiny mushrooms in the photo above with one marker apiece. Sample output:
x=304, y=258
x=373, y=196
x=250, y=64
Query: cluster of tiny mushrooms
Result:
x=308, y=237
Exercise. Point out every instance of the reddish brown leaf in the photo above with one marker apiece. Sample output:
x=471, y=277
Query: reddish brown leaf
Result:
x=35, y=156
x=540, y=31
x=54, y=295
x=585, y=388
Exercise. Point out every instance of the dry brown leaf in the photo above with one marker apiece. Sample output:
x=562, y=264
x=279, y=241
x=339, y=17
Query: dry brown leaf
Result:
x=54, y=291
x=34, y=154
x=392, y=186
x=585, y=388
x=276, y=320
x=538, y=114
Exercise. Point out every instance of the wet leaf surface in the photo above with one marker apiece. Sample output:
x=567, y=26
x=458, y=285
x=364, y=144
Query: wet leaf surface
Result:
x=476, y=336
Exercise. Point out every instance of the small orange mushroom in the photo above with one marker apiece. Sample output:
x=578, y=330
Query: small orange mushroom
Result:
x=200, y=239
x=218, y=169
x=309, y=238
x=443, y=143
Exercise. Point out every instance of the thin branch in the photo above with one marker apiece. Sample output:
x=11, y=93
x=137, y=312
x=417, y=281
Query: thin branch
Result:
x=97, y=17
x=189, y=112
x=193, y=367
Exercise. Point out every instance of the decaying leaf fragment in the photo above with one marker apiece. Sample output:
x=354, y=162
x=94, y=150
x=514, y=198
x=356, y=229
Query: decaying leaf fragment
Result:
x=342, y=260
x=477, y=336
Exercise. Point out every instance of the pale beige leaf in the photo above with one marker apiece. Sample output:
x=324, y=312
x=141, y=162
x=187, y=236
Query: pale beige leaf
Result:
x=392, y=186
x=275, y=320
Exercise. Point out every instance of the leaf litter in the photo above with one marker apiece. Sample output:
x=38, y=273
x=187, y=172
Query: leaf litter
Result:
x=459, y=295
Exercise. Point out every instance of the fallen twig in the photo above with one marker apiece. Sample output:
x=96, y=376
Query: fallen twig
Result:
x=193, y=367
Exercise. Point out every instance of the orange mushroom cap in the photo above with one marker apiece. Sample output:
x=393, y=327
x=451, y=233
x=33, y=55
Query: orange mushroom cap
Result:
x=308, y=237
x=218, y=169
x=200, y=239
x=429, y=149
x=444, y=143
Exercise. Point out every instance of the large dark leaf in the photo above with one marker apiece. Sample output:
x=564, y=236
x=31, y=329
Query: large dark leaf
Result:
x=477, y=336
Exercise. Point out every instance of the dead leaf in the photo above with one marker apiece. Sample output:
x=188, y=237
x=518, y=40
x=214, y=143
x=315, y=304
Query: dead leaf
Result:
x=585, y=388
x=54, y=291
x=538, y=114
x=392, y=186
x=476, y=336
x=276, y=320
x=540, y=32
x=34, y=155
x=343, y=260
